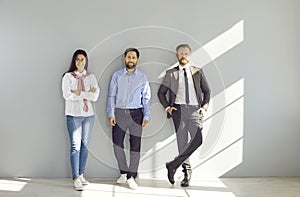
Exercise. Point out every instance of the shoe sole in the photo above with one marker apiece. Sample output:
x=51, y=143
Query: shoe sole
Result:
x=134, y=188
x=185, y=185
x=121, y=182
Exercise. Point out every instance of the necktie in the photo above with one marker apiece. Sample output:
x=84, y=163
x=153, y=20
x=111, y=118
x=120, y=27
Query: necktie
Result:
x=187, y=96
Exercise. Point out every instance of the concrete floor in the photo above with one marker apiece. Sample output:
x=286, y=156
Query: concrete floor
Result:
x=225, y=187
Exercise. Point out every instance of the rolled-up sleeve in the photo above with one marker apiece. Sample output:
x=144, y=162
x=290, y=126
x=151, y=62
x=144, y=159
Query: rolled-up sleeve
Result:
x=146, y=99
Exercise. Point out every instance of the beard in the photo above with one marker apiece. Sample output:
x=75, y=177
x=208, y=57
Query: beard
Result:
x=183, y=61
x=130, y=65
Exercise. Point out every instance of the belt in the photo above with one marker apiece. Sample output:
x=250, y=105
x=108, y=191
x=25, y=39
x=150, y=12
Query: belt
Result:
x=135, y=109
x=185, y=105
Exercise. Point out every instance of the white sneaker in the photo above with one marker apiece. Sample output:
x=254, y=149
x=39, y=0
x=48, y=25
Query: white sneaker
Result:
x=122, y=179
x=77, y=185
x=83, y=180
x=132, y=184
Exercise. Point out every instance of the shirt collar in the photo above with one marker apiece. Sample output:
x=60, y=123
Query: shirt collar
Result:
x=80, y=74
x=125, y=71
x=187, y=66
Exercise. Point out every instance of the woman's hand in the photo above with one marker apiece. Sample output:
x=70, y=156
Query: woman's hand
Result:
x=77, y=92
x=92, y=90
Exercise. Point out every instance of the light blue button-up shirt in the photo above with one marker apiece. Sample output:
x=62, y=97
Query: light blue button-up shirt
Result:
x=129, y=91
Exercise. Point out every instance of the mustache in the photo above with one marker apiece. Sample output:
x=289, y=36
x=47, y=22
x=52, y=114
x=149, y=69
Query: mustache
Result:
x=127, y=63
x=183, y=58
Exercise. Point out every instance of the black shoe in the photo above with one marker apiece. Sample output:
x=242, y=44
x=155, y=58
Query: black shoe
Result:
x=185, y=182
x=171, y=172
x=187, y=177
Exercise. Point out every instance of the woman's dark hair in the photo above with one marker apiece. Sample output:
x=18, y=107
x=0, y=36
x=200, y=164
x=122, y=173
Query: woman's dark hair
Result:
x=73, y=62
x=132, y=50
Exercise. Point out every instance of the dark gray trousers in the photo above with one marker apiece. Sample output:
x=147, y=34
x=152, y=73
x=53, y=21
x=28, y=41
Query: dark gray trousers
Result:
x=186, y=120
x=128, y=120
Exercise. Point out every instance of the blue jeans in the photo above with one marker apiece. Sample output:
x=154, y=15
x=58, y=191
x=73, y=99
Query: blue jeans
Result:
x=79, y=129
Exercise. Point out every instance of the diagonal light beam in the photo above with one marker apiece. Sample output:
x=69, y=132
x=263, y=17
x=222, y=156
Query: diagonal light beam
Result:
x=216, y=47
x=233, y=107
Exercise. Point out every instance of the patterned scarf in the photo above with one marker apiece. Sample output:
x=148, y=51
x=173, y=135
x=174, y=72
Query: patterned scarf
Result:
x=81, y=87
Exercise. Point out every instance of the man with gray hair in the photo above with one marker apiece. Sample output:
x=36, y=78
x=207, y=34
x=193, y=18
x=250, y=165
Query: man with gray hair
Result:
x=189, y=95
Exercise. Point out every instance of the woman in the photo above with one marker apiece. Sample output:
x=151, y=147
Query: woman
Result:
x=80, y=89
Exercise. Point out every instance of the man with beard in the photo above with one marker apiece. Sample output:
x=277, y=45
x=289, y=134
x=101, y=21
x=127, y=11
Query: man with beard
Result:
x=128, y=108
x=188, y=99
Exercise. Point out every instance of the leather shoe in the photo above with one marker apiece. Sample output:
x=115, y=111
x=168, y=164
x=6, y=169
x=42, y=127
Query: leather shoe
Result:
x=187, y=177
x=185, y=182
x=171, y=172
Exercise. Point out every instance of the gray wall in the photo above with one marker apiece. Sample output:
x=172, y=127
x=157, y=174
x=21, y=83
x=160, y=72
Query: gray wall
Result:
x=38, y=38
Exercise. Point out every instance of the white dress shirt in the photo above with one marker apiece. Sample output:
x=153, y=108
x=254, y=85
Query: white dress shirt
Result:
x=74, y=103
x=180, y=95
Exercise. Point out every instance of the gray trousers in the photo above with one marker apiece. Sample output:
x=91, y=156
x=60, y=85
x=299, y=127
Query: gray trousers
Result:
x=128, y=120
x=186, y=120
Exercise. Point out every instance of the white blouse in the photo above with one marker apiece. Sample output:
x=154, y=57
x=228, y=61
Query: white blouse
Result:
x=74, y=103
